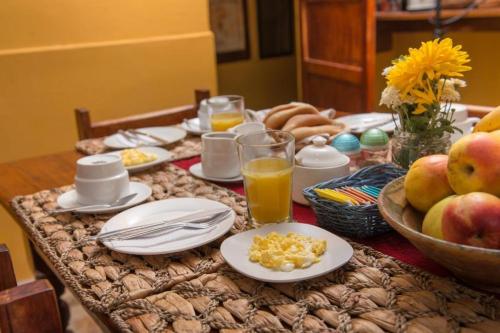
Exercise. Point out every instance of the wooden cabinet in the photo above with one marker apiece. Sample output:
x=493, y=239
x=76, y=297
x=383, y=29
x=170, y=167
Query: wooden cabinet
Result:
x=338, y=53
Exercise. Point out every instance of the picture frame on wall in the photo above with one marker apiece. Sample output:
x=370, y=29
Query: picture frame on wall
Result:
x=229, y=23
x=276, y=28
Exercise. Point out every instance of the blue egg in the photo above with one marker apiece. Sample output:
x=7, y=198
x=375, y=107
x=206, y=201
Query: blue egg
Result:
x=346, y=143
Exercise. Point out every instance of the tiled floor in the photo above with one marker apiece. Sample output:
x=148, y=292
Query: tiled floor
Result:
x=80, y=321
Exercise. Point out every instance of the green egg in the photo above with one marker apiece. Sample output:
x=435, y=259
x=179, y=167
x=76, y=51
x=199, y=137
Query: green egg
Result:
x=374, y=137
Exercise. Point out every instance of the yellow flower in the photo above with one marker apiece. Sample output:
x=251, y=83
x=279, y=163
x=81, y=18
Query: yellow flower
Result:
x=425, y=96
x=432, y=60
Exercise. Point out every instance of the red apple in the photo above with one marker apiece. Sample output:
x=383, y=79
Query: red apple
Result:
x=474, y=163
x=473, y=219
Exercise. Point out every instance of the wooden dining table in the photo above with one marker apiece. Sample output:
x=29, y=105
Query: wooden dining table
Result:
x=31, y=175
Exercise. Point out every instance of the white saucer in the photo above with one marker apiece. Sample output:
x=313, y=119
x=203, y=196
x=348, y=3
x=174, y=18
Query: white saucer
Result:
x=366, y=119
x=68, y=199
x=162, y=155
x=177, y=241
x=170, y=134
x=197, y=171
x=235, y=251
x=193, y=126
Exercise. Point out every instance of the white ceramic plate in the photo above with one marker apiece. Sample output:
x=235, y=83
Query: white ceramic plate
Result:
x=193, y=126
x=162, y=155
x=167, y=133
x=235, y=252
x=177, y=241
x=368, y=119
x=68, y=199
x=197, y=171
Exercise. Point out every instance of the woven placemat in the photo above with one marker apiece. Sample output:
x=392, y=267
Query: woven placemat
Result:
x=195, y=291
x=186, y=148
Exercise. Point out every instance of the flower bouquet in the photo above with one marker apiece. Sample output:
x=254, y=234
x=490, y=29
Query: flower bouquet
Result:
x=421, y=88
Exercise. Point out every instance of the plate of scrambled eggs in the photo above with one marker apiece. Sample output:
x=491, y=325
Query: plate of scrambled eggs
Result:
x=286, y=252
x=138, y=159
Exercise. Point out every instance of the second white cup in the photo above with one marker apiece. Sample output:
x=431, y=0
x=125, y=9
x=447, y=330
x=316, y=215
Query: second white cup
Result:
x=219, y=157
x=100, y=179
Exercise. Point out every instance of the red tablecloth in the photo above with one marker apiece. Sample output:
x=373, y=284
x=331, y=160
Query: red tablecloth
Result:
x=391, y=243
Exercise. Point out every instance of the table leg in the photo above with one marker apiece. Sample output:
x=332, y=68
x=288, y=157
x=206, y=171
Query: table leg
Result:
x=42, y=271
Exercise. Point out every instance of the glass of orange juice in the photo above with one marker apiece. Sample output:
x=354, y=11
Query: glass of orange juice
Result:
x=266, y=159
x=225, y=112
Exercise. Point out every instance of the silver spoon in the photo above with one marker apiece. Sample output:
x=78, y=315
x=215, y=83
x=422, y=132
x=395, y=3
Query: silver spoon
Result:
x=119, y=202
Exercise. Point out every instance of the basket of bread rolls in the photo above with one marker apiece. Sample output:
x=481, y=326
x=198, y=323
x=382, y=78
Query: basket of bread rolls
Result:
x=304, y=121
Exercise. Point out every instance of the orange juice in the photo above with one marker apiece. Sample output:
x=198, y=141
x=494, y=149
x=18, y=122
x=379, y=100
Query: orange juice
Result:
x=268, y=187
x=222, y=121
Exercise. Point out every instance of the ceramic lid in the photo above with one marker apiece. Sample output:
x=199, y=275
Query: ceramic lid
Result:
x=320, y=155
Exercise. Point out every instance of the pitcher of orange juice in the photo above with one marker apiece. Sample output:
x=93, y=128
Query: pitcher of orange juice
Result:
x=225, y=112
x=266, y=160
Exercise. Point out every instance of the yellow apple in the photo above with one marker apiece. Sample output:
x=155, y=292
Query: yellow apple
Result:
x=432, y=225
x=474, y=163
x=426, y=182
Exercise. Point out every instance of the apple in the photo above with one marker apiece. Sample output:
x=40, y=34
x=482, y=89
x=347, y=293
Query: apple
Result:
x=426, y=182
x=474, y=163
x=432, y=225
x=473, y=219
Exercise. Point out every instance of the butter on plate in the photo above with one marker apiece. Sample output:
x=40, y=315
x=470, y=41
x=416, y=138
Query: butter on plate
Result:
x=286, y=252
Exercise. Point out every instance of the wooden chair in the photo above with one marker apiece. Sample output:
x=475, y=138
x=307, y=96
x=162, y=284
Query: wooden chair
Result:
x=171, y=116
x=478, y=110
x=31, y=307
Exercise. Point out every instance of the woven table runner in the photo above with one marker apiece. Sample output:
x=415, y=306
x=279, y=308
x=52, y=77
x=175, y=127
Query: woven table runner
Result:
x=195, y=291
x=186, y=148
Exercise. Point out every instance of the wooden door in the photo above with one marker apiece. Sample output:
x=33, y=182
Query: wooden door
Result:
x=338, y=53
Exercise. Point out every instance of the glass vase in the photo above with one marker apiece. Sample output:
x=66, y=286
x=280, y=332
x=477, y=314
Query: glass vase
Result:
x=409, y=147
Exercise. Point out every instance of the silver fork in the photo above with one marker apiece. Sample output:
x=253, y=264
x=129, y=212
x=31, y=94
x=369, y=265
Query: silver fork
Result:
x=158, y=228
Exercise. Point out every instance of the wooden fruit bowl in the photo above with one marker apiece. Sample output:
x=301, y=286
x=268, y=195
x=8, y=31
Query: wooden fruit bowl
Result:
x=479, y=267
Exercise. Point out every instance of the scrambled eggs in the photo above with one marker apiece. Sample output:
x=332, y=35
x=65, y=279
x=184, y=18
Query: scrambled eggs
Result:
x=285, y=253
x=134, y=157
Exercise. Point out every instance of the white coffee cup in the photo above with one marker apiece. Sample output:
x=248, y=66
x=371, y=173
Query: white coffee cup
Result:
x=100, y=179
x=219, y=156
x=203, y=115
x=460, y=114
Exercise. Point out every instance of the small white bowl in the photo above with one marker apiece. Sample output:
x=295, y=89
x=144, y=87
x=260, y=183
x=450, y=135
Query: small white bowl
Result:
x=306, y=176
x=247, y=128
x=100, y=179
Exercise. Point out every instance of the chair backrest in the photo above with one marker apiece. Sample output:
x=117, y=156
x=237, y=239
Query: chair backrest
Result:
x=31, y=307
x=478, y=110
x=7, y=276
x=171, y=116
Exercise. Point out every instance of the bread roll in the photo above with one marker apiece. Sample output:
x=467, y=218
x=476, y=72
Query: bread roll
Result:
x=304, y=132
x=279, y=108
x=278, y=119
x=304, y=120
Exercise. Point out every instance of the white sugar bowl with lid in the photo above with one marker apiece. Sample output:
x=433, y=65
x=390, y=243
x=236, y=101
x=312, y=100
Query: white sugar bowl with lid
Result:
x=317, y=163
x=100, y=179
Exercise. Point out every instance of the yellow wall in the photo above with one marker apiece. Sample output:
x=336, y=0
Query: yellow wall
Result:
x=483, y=46
x=263, y=82
x=115, y=57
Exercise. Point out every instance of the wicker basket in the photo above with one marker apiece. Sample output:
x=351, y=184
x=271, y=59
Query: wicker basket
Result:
x=354, y=221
